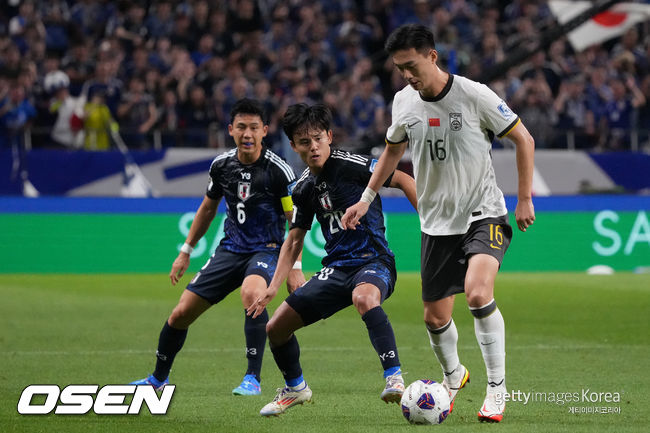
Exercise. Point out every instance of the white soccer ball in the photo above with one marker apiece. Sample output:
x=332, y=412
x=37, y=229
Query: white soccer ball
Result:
x=425, y=402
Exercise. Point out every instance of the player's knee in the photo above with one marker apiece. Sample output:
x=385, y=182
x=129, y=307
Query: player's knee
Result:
x=275, y=332
x=249, y=296
x=436, y=322
x=478, y=298
x=364, y=302
x=180, y=318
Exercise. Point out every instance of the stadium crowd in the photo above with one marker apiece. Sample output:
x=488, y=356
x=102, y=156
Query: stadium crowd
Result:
x=166, y=73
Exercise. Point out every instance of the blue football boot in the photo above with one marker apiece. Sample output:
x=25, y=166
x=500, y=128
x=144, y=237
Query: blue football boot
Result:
x=248, y=386
x=151, y=380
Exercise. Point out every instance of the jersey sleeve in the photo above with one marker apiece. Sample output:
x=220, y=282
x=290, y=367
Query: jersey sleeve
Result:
x=303, y=213
x=284, y=180
x=214, y=190
x=494, y=113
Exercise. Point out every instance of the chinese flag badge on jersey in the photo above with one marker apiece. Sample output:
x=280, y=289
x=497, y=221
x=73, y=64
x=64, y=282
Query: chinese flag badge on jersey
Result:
x=434, y=121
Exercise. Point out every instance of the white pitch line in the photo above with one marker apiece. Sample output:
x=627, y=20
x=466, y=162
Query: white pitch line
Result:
x=312, y=349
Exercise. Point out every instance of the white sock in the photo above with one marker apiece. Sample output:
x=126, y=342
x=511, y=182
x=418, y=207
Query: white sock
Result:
x=444, y=342
x=490, y=334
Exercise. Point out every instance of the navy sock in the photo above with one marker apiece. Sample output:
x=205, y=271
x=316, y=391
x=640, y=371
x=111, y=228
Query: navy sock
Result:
x=382, y=337
x=169, y=344
x=287, y=357
x=255, y=332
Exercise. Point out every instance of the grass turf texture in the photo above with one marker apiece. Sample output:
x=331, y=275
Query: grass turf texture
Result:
x=565, y=333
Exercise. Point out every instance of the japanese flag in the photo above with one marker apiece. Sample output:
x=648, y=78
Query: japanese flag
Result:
x=601, y=27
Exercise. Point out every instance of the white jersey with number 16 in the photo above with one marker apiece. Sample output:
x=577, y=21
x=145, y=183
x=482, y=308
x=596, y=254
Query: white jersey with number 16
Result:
x=450, y=140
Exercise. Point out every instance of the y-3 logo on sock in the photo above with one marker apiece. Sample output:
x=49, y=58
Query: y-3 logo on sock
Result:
x=161, y=356
x=390, y=354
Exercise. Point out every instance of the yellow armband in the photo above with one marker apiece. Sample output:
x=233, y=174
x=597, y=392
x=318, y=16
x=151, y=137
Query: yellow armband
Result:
x=287, y=203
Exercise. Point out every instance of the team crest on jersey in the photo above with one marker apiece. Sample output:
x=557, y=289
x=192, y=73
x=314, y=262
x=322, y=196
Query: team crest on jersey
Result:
x=244, y=190
x=455, y=121
x=325, y=201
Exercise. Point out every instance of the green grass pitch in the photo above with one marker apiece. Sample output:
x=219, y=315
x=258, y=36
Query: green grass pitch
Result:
x=565, y=333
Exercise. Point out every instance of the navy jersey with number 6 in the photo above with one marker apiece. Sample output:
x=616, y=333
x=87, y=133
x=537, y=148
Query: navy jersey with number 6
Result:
x=327, y=195
x=255, y=195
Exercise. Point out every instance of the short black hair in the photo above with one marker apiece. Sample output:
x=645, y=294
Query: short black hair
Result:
x=410, y=36
x=302, y=117
x=248, y=106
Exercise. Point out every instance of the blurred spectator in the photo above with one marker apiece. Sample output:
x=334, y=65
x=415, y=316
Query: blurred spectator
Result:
x=20, y=25
x=533, y=101
x=168, y=119
x=632, y=51
x=550, y=71
x=277, y=37
x=137, y=114
x=368, y=114
x=341, y=127
x=196, y=117
x=56, y=19
x=200, y=21
x=78, y=65
x=160, y=19
x=182, y=32
x=223, y=41
x=316, y=61
x=128, y=26
x=98, y=121
x=67, y=131
x=138, y=64
x=245, y=19
x=620, y=111
x=106, y=83
x=91, y=16
x=11, y=61
x=15, y=113
x=643, y=121
x=204, y=50
x=598, y=92
x=574, y=116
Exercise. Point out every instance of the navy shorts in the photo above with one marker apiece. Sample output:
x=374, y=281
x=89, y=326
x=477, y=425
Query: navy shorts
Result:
x=330, y=290
x=444, y=258
x=225, y=271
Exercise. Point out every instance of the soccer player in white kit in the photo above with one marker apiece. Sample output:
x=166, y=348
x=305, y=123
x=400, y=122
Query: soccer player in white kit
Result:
x=449, y=122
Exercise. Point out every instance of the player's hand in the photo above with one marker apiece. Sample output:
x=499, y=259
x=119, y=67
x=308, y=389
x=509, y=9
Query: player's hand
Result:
x=179, y=267
x=524, y=214
x=353, y=214
x=295, y=279
x=261, y=302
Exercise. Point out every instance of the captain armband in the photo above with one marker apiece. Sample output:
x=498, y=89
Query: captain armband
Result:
x=287, y=203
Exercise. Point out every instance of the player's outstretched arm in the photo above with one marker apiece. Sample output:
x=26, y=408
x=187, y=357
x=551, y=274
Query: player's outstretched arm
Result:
x=406, y=183
x=290, y=251
x=296, y=277
x=525, y=149
x=202, y=220
x=385, y=166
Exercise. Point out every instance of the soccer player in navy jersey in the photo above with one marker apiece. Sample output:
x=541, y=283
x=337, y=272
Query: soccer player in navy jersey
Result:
x=359, y=268
x=256, y=185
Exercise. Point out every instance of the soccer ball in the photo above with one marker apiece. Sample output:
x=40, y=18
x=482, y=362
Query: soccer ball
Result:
x=425, y=402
